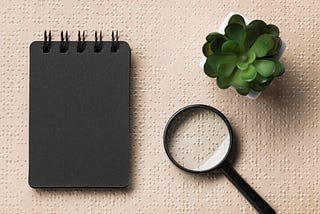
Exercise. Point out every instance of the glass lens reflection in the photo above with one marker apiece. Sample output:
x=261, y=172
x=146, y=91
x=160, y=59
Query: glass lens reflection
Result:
x=198, y=139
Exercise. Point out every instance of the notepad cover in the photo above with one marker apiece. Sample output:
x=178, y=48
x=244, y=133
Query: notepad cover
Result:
x=79, y=117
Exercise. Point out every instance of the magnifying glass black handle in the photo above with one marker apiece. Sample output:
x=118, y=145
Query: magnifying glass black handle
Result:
x=252, y=196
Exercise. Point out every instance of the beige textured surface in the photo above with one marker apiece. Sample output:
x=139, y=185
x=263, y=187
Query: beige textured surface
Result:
x=278, y=134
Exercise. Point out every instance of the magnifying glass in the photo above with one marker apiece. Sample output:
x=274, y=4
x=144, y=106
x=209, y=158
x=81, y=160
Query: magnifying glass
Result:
x=198, y=139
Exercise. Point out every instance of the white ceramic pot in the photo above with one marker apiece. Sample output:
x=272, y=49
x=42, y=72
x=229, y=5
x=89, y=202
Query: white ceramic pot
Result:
x=252, y=94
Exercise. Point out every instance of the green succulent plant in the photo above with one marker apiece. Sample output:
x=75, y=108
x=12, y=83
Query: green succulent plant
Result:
x=245, y=57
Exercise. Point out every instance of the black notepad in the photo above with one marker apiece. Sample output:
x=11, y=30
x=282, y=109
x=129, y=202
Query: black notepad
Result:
x=79, y=114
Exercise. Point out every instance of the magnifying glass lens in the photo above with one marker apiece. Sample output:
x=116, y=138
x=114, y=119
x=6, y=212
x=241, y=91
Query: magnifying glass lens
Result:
x=198, y=139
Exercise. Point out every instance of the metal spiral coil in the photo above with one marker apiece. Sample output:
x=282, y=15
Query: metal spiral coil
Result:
x=47, y=42
x=97, y=44
x=64, y=44
x=115, y=42
x=81, y=43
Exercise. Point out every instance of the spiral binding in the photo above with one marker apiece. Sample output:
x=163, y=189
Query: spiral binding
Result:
x=64, y=43
x=47, y=43
x=115, y=42
x=97, y=44
x=81, y=44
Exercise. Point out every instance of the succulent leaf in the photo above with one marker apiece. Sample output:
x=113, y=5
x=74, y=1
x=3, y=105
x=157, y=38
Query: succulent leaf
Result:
x=256, y=86
x=251, y=56
x=279, y=69
x=268, y=39
x=249, y=74
x=206, y=49
x=260, y=48
x=242, y=65
x=235, y=32
x=238, y=82
x=268, y=82
x=237, y=19
x=224, y=83
x=216, y=59
x=264, y=67
x=258, y=25
x=226, y=69
x=209, y=70
x=276, y=48
x=253, y=31
x=243, y=91
x=245, y=57
x=272, y=29
x=264, y=40
x=260, y=79
x=230, y=46
x=251, y=36
x=212, y=36
x=216, y=44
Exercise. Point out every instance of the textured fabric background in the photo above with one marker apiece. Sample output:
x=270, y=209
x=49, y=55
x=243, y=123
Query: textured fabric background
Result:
x=278, y=149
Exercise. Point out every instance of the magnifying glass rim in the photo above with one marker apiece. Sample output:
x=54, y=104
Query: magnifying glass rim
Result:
x=184, y=109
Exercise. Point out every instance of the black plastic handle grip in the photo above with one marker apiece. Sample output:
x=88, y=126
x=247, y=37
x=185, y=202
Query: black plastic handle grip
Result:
x=252, y=196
